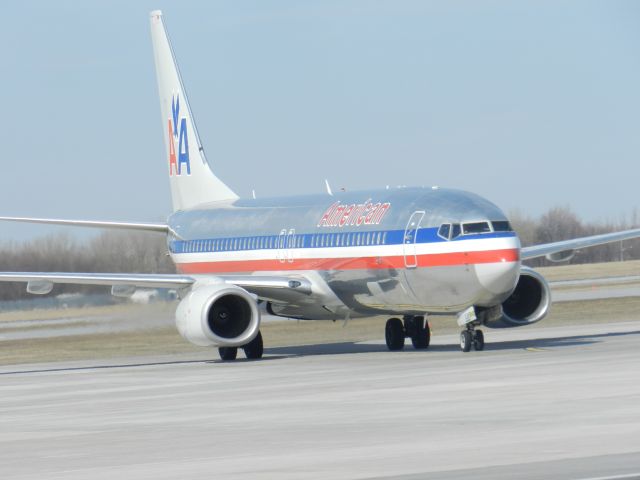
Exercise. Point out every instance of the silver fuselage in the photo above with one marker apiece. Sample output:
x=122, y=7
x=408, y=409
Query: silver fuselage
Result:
x=365, y=253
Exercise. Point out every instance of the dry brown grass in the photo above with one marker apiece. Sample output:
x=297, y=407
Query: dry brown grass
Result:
x=591, y=270
x=166, y=341
x=81, y=312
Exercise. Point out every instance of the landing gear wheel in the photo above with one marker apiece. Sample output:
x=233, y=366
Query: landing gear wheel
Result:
x=465, y=341
x=228, y=353
x=253, y=350
x=478, y=340
x=422, y=334
x=394, y=334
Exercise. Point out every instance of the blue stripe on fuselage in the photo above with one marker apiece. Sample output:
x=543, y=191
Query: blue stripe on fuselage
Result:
x=318, y=240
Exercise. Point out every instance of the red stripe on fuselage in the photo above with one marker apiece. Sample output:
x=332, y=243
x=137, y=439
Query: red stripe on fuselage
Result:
x=354, y=263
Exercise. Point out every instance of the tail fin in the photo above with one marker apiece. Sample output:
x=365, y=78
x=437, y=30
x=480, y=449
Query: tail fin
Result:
x=191, y=178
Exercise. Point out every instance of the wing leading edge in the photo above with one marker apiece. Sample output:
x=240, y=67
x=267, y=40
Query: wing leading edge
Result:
x=271, y=287
x=144, y=226
x=574, y=244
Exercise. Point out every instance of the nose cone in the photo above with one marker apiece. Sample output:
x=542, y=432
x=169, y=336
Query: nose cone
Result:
x=498, y=279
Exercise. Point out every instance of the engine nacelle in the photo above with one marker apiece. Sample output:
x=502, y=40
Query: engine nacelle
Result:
x=529, y=303
x=218, y=315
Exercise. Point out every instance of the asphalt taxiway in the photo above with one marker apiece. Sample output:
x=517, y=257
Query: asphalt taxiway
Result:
x=555, y=402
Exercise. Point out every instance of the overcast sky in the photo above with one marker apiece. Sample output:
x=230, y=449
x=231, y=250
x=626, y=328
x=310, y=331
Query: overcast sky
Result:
x=530, y=104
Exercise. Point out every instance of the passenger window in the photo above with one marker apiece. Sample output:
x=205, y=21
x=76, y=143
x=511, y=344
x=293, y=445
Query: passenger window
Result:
x=368, y=239
x=475, y=228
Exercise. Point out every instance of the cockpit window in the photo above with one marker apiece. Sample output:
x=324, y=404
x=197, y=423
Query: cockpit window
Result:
x=475, y=228
x=455, y=231
x=445, y=230
x=502, y=226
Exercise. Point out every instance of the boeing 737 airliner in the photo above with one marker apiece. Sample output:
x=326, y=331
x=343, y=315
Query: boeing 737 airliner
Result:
x=408, y=253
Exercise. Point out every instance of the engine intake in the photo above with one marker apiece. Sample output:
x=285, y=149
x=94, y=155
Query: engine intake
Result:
x=529, y=303
x=219, y=315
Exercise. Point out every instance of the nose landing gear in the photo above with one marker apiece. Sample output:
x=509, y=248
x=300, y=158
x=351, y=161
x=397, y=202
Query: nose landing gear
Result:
x=470, y=336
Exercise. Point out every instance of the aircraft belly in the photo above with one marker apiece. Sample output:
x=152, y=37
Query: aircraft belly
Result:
x=416, y=291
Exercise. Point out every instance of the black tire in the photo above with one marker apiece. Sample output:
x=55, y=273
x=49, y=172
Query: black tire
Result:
x=253, y=350
x=228, y=353
x=394, y=334
x=478, y=340
x=422, y=335
x=466, y=340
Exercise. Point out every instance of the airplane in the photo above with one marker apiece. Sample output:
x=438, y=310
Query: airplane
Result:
x=407, y=253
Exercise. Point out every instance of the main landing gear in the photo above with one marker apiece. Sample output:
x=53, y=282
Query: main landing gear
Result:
x=414, y=327
x=252, y=350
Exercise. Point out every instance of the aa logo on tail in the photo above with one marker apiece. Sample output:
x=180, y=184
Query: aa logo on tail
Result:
x=178, y=136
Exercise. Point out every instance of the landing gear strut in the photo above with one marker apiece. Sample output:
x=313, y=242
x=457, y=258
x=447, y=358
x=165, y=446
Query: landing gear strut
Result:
x=252, y=350
x=414, y=327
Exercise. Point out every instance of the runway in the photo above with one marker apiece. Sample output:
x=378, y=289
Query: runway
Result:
x=553, y=402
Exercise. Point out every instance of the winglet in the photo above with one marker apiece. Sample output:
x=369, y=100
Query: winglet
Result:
x=326, y=182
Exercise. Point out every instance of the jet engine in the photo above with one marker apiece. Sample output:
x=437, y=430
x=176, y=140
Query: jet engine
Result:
x=218, y=315
x=529, y=303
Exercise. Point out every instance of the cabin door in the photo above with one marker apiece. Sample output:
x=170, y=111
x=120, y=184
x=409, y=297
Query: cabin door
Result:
x=410, y=238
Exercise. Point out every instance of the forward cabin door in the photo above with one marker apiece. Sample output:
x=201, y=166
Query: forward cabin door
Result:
x=410, y=238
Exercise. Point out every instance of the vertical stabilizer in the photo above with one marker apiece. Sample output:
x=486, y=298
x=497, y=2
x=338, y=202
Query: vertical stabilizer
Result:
x=192, y=181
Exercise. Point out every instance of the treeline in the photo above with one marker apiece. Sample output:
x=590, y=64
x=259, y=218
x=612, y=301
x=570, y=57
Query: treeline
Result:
x=112, y=251
x=139, y=252
x=560, y=223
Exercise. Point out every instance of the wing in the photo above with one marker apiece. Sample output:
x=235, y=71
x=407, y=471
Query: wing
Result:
x=570, y=246
x=279, y=288
x=145, y=226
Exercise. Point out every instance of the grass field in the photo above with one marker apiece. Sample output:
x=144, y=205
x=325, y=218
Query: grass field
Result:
x=166, y=341
x=591, y=270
